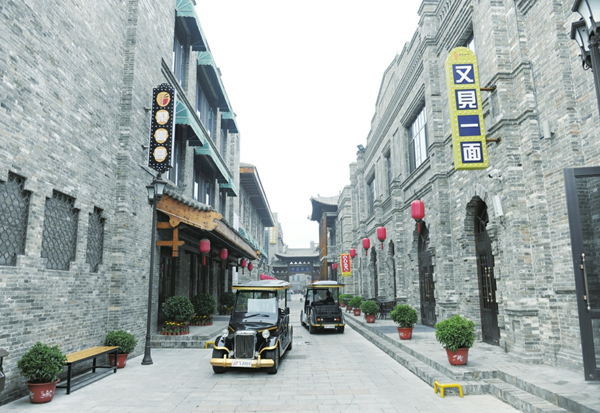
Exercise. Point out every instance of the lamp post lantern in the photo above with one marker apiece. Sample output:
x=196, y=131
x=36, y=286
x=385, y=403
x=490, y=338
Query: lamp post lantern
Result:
x=155, y=193
x=586, y=33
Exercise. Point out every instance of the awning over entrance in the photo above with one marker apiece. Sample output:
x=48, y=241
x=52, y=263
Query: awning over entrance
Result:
x=197, y=221
x=185, y=10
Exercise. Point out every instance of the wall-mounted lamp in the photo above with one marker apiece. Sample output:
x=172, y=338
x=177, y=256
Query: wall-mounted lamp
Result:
x=360, y=147
x=547, y=131
x=497, y=206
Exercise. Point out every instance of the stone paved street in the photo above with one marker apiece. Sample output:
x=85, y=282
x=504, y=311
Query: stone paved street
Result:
x=323, y=372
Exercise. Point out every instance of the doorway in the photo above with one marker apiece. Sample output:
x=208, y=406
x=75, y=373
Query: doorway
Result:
x=582, y=187
x=426, y=285
x=485, y=275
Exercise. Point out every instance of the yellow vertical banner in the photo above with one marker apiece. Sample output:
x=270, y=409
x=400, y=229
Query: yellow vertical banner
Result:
x=466, y=115
x=272, y=235
x=345, y=265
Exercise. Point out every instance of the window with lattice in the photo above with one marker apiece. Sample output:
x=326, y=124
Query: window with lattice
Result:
x=59, y=239
x=14, y=210
x=95, y=240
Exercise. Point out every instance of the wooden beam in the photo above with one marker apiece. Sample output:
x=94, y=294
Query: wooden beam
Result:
x=174, y=243
x=180, y=212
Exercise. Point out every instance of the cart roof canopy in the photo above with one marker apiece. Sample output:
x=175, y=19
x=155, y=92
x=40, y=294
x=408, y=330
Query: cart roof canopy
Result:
x=266, y=285
x=325, y=284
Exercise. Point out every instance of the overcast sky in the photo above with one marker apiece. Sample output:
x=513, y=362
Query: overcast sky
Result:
x=303, y=78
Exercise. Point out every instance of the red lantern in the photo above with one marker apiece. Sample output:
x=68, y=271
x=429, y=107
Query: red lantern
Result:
x=243, y=264
x=334, y=266
x=223, y=254
x=417, y=210
x=204, y=249
x=366, y=245
x=353, y=252
x=381, y=235
x=250, y=267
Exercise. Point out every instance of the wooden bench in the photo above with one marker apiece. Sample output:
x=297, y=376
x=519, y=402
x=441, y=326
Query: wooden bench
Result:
x=88, y=354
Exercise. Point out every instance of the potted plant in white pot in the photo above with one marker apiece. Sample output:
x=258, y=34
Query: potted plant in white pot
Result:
x=457, y=335
x=41, y=365
x=406, y=317
x=126, y=343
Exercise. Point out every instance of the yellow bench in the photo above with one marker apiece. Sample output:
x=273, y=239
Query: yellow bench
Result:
x=209, y=342
x=87, y=354
x=437, y=386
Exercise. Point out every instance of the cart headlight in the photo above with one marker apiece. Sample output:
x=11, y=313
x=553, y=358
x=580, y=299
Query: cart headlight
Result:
x=225, y=333
x=266, y=334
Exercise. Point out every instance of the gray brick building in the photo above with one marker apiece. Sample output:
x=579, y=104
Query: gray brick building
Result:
x=76, y=84
x=495, y=244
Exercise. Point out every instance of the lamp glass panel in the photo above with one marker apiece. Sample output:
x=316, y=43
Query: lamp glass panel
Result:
x=159, y=187
x=582, y=37
x=150, y=189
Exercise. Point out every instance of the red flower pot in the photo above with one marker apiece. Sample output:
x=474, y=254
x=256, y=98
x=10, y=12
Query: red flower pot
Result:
x=370, y=318
x=342, y=305
x=458, y=358
x=348, y=308
x=356, y=311
x=121, y=360
x=41, y=392
x=405, y=333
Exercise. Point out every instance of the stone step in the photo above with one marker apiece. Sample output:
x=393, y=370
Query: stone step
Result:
x=521, y=399
x=424, y=371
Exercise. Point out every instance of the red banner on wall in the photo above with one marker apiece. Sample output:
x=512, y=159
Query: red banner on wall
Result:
x=346, y=265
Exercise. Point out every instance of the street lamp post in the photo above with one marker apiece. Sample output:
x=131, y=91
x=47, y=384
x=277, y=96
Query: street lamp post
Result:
x=155, y=192
x=585, y=32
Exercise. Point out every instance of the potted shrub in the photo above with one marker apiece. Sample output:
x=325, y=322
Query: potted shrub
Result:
x=126, y=343
x=227, y=299
x=204, y=306
x=406, y=317
x=347, y=299
x=355, y=304
x=41, y=365
x=457, y=335
x=178, y=311
x=370, y=308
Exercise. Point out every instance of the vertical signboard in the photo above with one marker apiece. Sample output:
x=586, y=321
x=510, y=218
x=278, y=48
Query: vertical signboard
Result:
x=345, y=265
x=272, y=235
x=466, y=115
x=162, y=127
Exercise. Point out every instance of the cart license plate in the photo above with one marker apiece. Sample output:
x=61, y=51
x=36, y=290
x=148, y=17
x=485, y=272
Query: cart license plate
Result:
x=241, y=363
x=328, y=326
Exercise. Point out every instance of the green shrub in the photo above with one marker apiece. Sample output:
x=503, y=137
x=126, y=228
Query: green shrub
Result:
x=404, y=315
x=178, y=308
x=347, y=298
x=42, y=363
x=355, y=302
x=227, y=299
x=455, y=332
x=369, y=307
x=204, y=304
x=121, y=338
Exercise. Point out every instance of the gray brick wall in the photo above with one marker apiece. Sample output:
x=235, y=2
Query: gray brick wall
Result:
x=524, y=50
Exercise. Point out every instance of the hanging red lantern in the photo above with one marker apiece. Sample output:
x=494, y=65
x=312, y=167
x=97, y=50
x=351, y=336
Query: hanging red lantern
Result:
x=334, y=266
x=417, y=211
x=381, y=235
x=243, y=264
x=250, y=267
x=366, y=245
x=353, y=252
x=223, y=254
x=204, y=249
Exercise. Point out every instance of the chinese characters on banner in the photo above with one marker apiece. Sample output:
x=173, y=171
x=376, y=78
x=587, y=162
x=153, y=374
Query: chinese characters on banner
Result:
x=162, y=128
x=345, y=265
x=466, y=115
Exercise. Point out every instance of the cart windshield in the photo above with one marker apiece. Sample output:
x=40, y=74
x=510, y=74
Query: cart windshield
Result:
x=251, y=303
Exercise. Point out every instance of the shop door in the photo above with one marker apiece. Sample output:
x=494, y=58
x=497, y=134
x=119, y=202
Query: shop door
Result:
x=426, y=285
x=582, y=186
x=485, y=275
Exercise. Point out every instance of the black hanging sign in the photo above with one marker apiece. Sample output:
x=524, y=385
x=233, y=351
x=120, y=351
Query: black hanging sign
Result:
x=162, y=128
